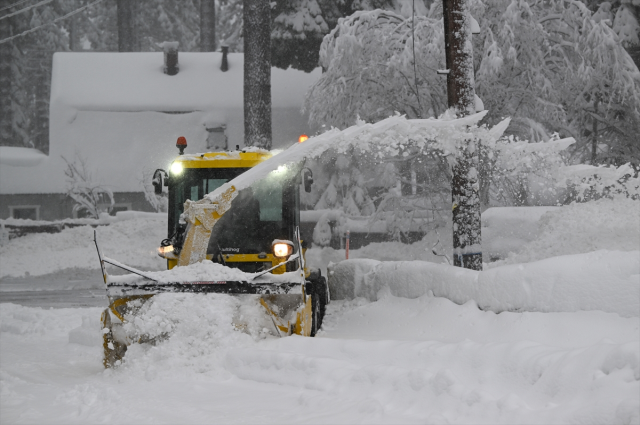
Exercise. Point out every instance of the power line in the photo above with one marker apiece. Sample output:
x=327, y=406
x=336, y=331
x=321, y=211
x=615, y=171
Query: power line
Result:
x=50, y=23
x=14, y=4
x=26, y=9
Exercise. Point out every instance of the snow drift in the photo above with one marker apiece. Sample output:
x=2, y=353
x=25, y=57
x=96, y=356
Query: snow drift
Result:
x=602, y=280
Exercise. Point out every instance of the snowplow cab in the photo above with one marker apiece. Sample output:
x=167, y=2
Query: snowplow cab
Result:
x=245, y=235
x=191, y=177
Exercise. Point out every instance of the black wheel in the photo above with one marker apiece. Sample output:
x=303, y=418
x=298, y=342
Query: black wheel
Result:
x=318, y=291
x=316, y=319
x=322, y=291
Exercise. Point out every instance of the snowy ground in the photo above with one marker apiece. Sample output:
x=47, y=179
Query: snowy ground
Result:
x=393, y=360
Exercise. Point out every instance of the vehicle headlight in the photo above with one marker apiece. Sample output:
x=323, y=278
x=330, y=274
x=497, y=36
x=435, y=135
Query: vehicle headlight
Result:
x=165, y=250
x=176, y=168
x=282, y=249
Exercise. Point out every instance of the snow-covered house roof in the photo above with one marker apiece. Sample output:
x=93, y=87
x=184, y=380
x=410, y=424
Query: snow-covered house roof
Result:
x=136, y=82
x=123, y=114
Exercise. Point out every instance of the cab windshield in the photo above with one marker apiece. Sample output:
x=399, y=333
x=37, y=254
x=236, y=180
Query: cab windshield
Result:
x=259, y=214
x=193, y=184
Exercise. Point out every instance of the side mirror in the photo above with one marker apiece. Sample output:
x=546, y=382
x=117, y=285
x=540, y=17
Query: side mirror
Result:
x=157, y=180
x=307, y=179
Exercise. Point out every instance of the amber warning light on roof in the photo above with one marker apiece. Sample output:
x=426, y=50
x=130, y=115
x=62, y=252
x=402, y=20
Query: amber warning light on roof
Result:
x=181, y=144
x=302, y=138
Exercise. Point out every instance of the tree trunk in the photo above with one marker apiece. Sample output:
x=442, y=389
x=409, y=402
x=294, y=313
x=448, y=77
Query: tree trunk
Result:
x=207, y=26
x=126, y=22
x=467, y=239
x=257, y=73
x=42, y=93
x=6, y=59
x=594, y=143
x=459, y=56
x=73, y=34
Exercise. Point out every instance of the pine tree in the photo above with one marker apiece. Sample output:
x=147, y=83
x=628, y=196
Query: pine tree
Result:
x=127, y=36
x=257, y=74
x=6, y=61
x=207, y=25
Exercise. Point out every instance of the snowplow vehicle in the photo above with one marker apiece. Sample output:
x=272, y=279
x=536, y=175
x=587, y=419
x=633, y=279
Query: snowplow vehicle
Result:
x=226, y=238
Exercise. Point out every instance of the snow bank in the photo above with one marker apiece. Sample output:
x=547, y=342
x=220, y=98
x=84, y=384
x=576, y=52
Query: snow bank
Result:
x=396, y=360
x=577, y=228
x=104, y=218
x=133, y=241
x=428, y=360
x=602, y=280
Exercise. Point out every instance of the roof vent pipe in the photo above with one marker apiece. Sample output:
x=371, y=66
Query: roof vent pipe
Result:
x=171, y=66
x=224, y=67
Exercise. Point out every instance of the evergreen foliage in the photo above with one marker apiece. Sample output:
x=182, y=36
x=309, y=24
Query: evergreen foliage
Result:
x=548, y=65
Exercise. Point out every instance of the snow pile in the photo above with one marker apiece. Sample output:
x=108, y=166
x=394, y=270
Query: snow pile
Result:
x=396, y=360
x=601, y=280
x=89, y=333
x=428, y=360
x=583, y=227
x=193, y=331
x=135, y=241
x=36, y=322
x=197, y=272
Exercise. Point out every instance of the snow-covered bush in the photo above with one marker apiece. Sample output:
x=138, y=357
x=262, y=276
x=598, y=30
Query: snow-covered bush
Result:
x=330, y=227
x=341, y=183
x=90, y=197
x=516, y=172
x=548, y=65
x=587, y=182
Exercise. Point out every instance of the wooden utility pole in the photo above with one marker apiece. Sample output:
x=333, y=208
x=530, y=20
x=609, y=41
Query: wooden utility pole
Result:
x=257, y=73
x=467, y=238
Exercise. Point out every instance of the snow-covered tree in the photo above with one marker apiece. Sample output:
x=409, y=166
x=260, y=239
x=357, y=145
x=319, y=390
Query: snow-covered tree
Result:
x=544, y=63
x=90, y=197
x=299, y=26
x=341, y=184
x=624, y=17
x=368, y=62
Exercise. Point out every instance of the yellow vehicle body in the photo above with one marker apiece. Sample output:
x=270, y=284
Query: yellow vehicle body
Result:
x=196, y=220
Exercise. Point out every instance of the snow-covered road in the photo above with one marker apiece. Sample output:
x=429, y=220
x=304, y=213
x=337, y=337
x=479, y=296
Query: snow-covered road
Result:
x=396, y=360
x=379, y=359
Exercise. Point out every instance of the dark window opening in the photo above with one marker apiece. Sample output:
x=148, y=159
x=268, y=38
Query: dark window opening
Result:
x=25, y=213
x=194, y=184
x=259, y=214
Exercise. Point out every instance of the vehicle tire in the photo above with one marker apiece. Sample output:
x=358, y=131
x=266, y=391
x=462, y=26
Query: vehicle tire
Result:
x=322, y=292
x=316, y=320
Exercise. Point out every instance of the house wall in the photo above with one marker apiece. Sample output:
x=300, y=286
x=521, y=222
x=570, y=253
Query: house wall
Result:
x=58, y=206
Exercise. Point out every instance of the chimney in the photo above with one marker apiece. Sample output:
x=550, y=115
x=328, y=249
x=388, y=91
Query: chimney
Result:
x=224, y=67
x=171, y=66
